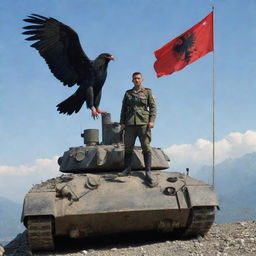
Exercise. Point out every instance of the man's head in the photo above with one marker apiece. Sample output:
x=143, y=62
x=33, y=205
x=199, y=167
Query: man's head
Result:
x=137, y=78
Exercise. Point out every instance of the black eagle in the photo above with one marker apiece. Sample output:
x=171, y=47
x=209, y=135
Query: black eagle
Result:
x=59, y=45
x=184, y=46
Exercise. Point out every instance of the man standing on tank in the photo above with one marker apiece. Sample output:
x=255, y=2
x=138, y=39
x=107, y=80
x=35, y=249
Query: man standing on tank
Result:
x=137, y=118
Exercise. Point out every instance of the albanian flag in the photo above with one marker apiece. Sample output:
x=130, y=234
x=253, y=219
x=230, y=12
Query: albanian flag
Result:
x=186, y=48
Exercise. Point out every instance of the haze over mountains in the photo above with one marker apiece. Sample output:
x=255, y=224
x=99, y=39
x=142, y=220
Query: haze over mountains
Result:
x=235, y=186
x=10, y=225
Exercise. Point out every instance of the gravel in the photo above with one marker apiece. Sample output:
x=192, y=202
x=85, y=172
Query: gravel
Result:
x=222, y=240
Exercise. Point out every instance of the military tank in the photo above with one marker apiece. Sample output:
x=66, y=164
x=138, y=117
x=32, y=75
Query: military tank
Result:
x=90, y=199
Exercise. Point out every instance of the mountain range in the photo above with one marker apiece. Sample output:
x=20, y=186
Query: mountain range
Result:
x=10, y=224
x=235, y=184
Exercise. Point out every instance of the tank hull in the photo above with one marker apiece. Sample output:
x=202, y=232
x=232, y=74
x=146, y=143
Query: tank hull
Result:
x=81, y=205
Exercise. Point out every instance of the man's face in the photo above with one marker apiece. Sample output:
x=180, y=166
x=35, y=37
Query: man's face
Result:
x=137, y=80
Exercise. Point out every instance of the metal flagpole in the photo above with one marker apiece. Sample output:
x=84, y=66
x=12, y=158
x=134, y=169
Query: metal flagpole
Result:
x=213, y=110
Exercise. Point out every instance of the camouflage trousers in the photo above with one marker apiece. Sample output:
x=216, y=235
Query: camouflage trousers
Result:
x=134, y=131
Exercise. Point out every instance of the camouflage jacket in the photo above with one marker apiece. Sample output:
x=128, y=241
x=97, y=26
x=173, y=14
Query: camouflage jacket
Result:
x=138, y=107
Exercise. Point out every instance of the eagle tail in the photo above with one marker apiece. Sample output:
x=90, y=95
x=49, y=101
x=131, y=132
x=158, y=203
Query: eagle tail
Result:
x=71, y=104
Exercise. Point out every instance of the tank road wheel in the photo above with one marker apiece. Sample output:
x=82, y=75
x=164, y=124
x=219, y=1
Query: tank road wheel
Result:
x=40, y=233
x=200, y=221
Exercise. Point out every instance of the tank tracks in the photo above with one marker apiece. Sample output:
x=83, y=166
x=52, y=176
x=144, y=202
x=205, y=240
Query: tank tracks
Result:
x=200, y=221
x=40, y=233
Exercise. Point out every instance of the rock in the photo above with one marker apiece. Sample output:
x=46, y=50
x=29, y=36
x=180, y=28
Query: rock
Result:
x=2, y=250
x=252, y=240
x=199, y=239
x=216, y=244
x=242, y=242
x=84, y=252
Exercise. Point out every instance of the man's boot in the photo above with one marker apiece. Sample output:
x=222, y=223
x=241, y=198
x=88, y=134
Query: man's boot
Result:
x=127, y=165
x=150, y=179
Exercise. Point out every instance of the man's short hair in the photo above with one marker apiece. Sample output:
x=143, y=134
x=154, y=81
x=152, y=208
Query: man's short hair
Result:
x=136, y=73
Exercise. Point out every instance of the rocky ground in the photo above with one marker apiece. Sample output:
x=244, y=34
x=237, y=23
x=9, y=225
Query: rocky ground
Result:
x=222, y=240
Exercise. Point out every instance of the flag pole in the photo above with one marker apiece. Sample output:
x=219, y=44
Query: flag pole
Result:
x=213, y=110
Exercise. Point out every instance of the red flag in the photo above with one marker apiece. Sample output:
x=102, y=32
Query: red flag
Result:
x=186, y=48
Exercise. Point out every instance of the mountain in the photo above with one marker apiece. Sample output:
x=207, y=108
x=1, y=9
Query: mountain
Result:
x=10, y=224
x=235, y=184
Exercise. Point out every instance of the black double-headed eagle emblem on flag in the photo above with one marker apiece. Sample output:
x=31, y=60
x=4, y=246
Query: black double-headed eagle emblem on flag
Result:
x=183, y=48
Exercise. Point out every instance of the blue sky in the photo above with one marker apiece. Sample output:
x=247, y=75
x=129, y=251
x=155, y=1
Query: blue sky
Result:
x=30, y=126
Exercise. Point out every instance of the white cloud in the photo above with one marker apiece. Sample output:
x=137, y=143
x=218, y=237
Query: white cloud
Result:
x=42, y=166
x=196, y=155
x=15, y=181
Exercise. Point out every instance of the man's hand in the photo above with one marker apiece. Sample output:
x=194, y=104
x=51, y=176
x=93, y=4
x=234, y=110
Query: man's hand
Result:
x=122, y=126
x=151, y=124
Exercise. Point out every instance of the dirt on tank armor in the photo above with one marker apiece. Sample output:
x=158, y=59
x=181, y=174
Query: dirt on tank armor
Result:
x=92, y=200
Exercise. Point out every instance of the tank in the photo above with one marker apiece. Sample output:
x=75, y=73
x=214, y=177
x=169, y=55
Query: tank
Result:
x=90, y=199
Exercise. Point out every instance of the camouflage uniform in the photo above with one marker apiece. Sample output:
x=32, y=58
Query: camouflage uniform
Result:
x=138, y=109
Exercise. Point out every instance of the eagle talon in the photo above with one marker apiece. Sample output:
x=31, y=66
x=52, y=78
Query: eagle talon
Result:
x=99, y=111
x=94, y=114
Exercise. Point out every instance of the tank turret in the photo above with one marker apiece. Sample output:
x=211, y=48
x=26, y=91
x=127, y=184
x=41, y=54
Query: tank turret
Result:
x=107, y=155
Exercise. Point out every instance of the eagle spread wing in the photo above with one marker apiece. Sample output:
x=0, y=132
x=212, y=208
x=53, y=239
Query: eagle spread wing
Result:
x=59, y=45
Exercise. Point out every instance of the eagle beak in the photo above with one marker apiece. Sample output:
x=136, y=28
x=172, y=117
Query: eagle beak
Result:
x=111, y=57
